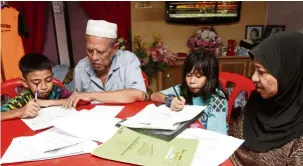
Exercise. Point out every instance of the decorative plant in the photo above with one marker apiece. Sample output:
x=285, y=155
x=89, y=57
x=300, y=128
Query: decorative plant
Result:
x=204, y=37
x=155, y=58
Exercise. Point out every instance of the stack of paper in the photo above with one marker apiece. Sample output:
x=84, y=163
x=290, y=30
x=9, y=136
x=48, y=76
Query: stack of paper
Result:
x=49, y=144
x=214, y=148
x=131, y=147
x=97, y=124
x=45, y=116
x=153, y=117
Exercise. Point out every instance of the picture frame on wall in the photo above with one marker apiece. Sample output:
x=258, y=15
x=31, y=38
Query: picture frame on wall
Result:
x=273, y=29
x=253, y=32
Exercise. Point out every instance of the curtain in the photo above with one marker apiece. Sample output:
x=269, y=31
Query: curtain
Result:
x=116, y=12
x=35, y=14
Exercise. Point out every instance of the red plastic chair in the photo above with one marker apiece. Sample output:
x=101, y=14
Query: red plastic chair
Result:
x=241, y=83
x=9, y=87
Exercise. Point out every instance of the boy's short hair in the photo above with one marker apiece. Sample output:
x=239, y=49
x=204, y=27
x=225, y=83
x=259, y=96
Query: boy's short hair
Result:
x=34, y=62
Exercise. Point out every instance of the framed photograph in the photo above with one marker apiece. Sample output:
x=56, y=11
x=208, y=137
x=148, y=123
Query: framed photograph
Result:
x=272, y=29
x=253, y=32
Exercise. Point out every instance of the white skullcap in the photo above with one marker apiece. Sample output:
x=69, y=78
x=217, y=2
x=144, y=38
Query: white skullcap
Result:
x=101, y=28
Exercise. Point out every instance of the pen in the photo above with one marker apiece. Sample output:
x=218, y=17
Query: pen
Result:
x=171, y=82
x=36, y=94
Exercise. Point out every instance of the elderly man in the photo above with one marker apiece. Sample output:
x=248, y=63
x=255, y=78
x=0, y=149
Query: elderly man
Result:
x=107, y=74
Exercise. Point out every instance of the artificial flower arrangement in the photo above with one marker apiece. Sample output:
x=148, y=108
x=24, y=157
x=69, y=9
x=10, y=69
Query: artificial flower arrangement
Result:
x=155, y=58
x=204, y=38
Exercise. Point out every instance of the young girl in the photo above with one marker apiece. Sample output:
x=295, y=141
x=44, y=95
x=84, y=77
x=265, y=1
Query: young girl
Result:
x=200, y=86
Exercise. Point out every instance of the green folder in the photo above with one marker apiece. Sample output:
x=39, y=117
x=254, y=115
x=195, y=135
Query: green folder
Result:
x=131, y=147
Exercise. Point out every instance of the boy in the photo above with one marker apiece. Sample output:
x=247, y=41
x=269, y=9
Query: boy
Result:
x=37, y=79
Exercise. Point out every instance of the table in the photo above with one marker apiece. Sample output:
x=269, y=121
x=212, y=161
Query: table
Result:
x=16, y=128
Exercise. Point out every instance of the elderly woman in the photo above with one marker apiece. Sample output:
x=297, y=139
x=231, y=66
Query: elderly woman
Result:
x=272, y=120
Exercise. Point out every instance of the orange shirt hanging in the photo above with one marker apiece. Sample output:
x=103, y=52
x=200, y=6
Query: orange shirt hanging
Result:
x=11, y=43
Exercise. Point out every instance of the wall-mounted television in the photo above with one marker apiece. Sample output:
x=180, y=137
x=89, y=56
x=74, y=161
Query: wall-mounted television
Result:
x=203, y=12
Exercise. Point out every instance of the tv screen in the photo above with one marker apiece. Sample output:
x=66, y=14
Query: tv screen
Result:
x=203, y=12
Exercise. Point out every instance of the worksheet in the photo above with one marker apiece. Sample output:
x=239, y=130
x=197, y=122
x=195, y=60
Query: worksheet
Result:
x=90, y=125
x=53, y=139
x=45, y=116
x=161, y=117
x=37, y=147
x=213, y=149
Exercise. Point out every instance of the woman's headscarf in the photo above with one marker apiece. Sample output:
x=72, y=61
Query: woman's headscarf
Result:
x=270, y=123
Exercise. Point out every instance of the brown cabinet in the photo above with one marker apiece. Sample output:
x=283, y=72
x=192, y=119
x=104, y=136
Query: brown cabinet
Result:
x=235, y=64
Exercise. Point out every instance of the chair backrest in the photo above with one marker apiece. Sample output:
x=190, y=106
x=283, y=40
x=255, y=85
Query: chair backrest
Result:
x=145, y=79
x=241, y=83
x=9, y=87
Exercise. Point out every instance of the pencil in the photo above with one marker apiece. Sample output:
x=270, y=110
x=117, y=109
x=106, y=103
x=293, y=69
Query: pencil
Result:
x=171, y=83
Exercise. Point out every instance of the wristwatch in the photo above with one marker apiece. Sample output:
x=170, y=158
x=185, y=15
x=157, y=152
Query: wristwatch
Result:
x=168, y=99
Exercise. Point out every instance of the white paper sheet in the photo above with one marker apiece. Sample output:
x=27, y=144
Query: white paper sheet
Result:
x=153, y=117
x=45, y=116
x=214, y=148
x=29, y=149
x=53, y=139
x=88, y=125
x=108, y=110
